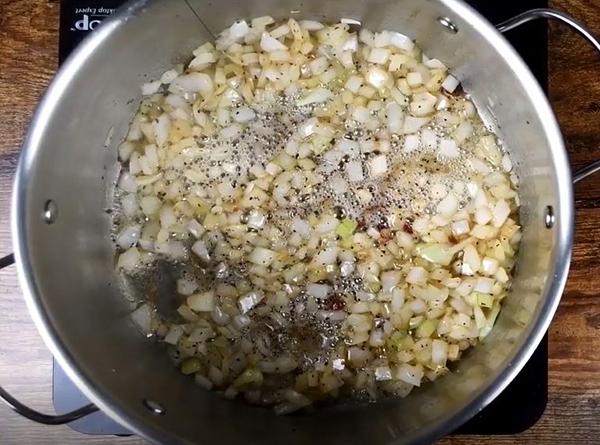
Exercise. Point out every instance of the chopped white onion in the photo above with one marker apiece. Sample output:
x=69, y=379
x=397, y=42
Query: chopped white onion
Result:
x=383, y=373
x=301, y=227
x=250, y=300
x=395, y=118
x=448, y=206
x=129, y=236
x=130, y=205
x=327, y=256
x=169, y=76
x=354, y=83
x=186, y=286
x=127, y=183
x=269, y=44
x=484, y=285
x=311, y=25
x=243, y=114
x=238, y=30
x=319, y=291
x=150, y=88
x=471, y=258
x=174, y=335
x=204, y=302
x=355, y=171
x=482, y=215
x=411, y=143
x=500, y=213
x=377, y=339
x=129, y=260
x=142, y=317
x=439, y=352
x=448, y=148
x=489, y=266
x=416, y=275
x=414, y=79
x=194, y=83
x=460, y=228
x=261, y=256
x=317, y=95
x=377, y=77
x=378, y=165
x=401, y=41
x=413, y=124
x=358, y=356
x=410, y=374
x=220, y=317
x=379, y=55
x=201, y=250
x=346, y=268
x=450, y=83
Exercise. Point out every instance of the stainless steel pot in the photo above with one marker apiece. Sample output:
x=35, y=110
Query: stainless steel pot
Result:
x=65, y=258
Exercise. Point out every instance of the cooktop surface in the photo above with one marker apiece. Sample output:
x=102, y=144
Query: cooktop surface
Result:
x=522, y=402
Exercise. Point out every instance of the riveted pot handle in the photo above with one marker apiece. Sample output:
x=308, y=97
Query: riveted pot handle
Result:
x=25, y=411
x=544, y=13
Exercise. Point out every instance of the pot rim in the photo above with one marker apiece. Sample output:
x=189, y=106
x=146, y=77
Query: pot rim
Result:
x=564, y=215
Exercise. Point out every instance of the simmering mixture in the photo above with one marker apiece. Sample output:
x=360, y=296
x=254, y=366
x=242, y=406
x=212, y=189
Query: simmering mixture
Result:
x=335, y=219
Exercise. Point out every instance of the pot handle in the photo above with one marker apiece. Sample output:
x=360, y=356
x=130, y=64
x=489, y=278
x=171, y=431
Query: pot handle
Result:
x=25, y=411
x=544, y=13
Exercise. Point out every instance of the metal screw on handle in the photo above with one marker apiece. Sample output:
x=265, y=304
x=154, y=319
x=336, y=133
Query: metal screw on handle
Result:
x=25, y=411
x=544, y=13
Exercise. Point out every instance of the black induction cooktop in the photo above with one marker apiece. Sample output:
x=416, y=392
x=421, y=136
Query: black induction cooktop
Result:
x=524, y=400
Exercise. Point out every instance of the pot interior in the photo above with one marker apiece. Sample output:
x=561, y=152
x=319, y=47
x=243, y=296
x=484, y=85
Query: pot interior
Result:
x=67, y=267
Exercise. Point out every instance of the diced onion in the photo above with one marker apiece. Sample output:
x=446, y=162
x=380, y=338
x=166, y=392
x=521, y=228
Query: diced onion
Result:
x=411, y=143
x=250, y=300
x=239, y=30
x=318, y=95
x=355, y=172
x=150, y=88
x=261, y=256
x=416, y=275
x=379, y=55
x=186, y=286
x=410, y=374
x=129, y=236
x=500, y=213
x=269, y=44
x=319, y=291
x=448, y=206
x=439, y=352
x=450, y=83
x=142, y=317
x=377, y=77
x=300, y=181
x=311, y=25
x=378, y=165
x=129, y=260
x=401, y=41
x=194, y=83
x=200, y=249
x=484, y=285
x=174, y=335
x=448, y=148
x=413, y=124
x=204, y=302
